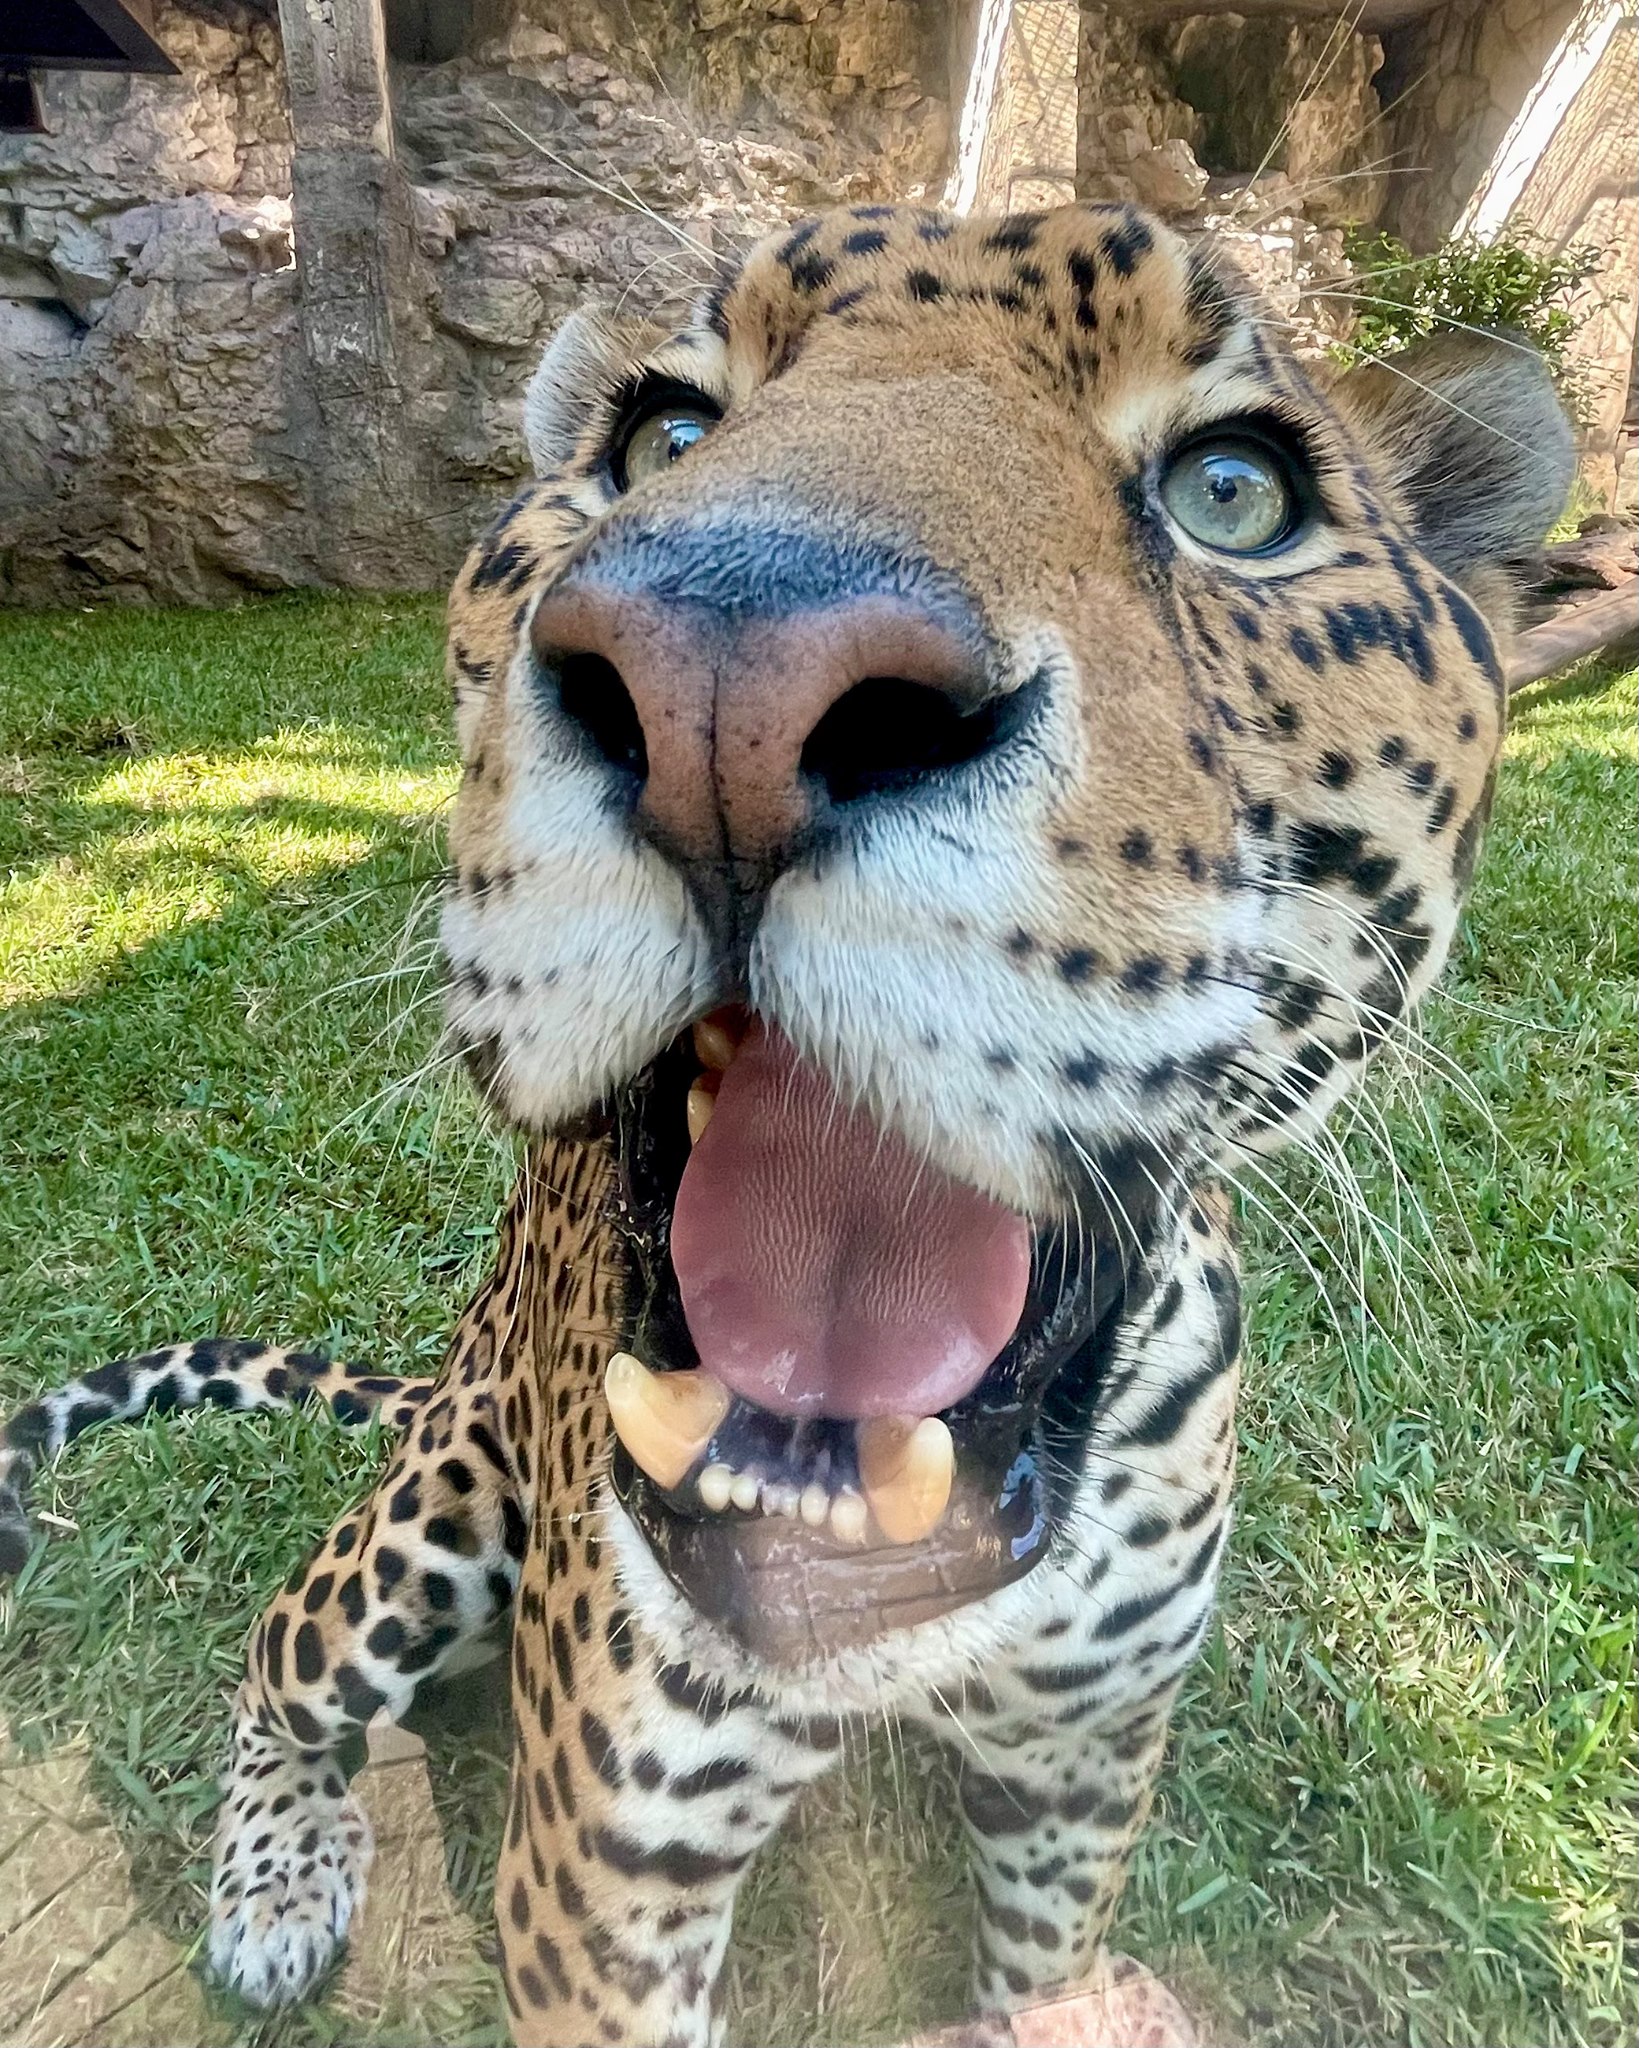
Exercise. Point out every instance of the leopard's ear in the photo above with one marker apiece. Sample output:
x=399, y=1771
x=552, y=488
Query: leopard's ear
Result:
x=586, y=362
x=1469, y=430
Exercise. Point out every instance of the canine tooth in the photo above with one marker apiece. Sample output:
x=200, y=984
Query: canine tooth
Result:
x=906, y=1468
x=665, y=1419
x=814, y=1505
x=717, y=1039
x=716, y=1484
x=849, y=1517
x=699, y=1106
x=744, y=1491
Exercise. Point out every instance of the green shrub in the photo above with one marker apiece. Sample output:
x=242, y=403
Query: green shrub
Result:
x=1516, y=283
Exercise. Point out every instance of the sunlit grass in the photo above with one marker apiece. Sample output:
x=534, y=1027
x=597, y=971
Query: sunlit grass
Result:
x=1398, y=1808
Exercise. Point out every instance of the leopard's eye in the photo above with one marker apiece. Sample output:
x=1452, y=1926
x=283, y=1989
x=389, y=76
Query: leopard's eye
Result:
x=1231, y=493
x=659, y=435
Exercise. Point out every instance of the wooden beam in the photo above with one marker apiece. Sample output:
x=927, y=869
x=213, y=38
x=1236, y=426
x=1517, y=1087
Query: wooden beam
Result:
x=1371, y=18
x=352, y=220
x=1603, y=624
x=84, y=35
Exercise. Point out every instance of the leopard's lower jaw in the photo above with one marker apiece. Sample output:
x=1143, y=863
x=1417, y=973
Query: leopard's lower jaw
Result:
x=817, y=1664
x=793, y=1595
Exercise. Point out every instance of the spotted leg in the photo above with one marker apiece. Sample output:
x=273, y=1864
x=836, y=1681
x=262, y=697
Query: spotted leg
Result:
x=1050, y=1833
x=403, y=1588
x=640, y=1789
x=1060, y=1744
x=640, y=1793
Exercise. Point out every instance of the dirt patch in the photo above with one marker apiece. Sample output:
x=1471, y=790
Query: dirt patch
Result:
x=78, y=1963
x=80, y=1967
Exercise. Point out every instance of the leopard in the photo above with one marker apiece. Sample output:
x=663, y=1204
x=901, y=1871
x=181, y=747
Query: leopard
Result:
x=966, y=741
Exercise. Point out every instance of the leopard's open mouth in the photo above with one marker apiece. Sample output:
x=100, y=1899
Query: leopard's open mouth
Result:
x=853, y=1385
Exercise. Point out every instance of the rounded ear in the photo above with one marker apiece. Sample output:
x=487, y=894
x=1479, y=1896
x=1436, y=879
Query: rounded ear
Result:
x=592, y=354
x=1470, y=431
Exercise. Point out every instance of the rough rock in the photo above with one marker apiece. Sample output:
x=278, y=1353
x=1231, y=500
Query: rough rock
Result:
x=1168, y=179
x=152, y=368
x=1288, y=95
x=147, y=445
x=496, y=312
x=1127, y=105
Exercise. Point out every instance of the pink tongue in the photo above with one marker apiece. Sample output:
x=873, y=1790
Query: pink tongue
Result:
x=825, y=1269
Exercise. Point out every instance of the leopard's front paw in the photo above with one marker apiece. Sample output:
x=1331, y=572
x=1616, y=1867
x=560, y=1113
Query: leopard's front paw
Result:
x=292, y=1855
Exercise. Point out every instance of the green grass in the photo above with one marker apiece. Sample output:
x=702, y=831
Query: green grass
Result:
x=1398, y=1808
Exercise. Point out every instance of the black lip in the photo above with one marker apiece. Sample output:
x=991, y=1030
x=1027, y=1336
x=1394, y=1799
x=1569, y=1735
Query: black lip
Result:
x=791, y=1594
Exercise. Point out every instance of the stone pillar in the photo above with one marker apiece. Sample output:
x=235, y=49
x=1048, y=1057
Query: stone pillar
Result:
x=1017, y=148
x=353, y=228
x=1042, y=167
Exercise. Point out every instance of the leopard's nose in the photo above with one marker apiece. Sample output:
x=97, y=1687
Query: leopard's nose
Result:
x=734, y=730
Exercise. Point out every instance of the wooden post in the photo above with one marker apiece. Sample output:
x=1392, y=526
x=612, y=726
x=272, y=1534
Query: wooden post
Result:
x=1608, y=623
x=352, y=225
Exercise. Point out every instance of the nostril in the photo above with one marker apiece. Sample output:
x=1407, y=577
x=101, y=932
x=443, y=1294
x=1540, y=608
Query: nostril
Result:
x=593, y=695
x=887, y=734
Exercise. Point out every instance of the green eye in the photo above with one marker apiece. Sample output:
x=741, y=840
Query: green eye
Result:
x=658, y=437
x=1233, y=494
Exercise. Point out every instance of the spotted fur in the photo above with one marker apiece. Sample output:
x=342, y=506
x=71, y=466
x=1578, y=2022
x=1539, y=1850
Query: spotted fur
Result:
x=221, y=1372
x=1222, y=851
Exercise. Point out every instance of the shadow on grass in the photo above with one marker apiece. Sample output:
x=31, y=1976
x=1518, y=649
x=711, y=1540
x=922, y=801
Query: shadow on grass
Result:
x=169, y=1168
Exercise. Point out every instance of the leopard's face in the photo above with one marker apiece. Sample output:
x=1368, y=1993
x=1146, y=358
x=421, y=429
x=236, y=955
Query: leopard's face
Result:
x=1046, y=739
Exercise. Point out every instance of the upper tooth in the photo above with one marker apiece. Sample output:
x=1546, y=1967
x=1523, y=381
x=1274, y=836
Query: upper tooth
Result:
x=744, y=1491
x=906, y=1468
x=717, y=1039
x=665, y=1419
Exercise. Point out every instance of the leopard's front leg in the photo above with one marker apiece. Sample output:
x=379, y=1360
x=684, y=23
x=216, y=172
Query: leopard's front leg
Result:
x=640, y=1793
x=402, y=1589
x=640, y=1790
x=398, y=1592
x=1060, y=1744
x=1052, y=1815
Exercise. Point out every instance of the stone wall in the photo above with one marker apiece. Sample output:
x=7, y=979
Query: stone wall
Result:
x=151, y=352
x=1456, y=79
x=1278, y=93
x=1252, y=130
x=1244, y=96
x=1519, y=118
x=1128, y=100
x=161, y=417
x=145, y=315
